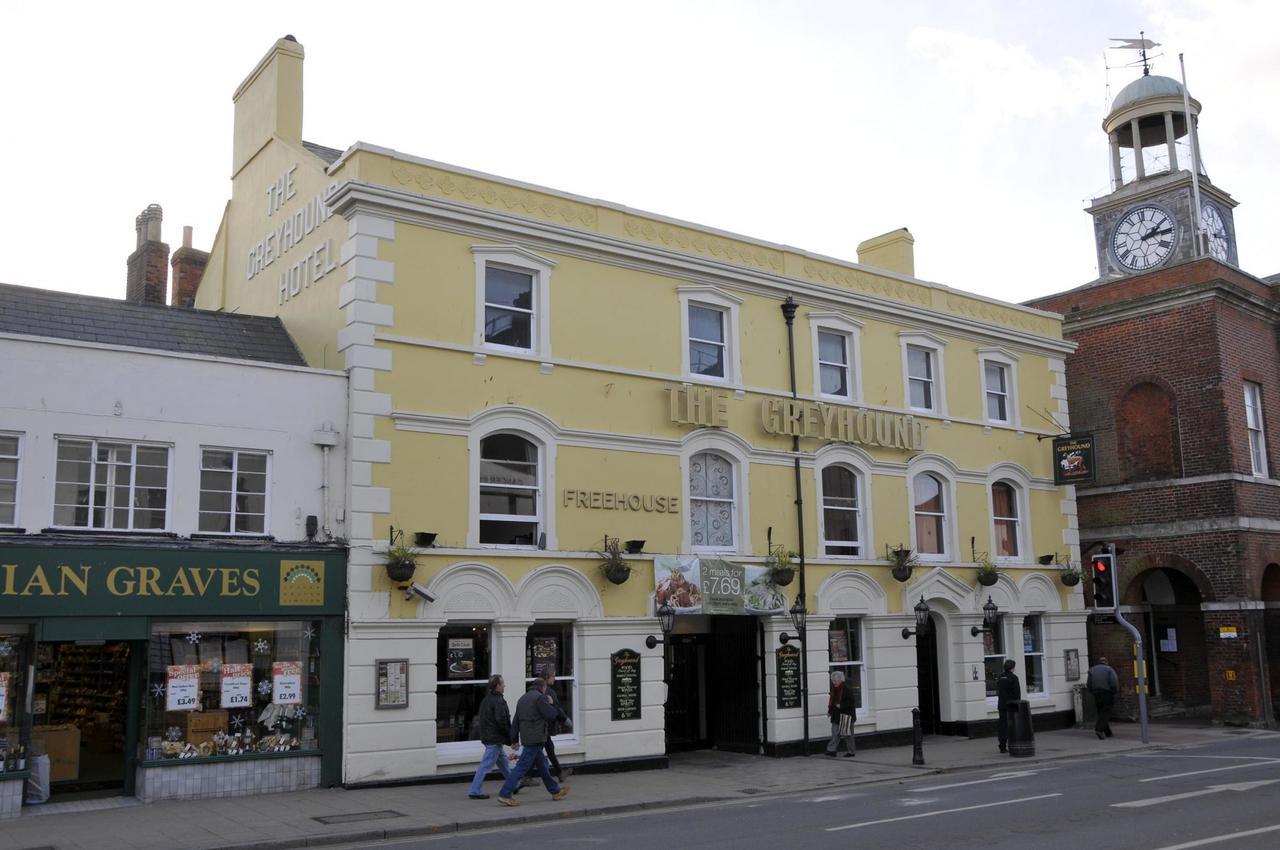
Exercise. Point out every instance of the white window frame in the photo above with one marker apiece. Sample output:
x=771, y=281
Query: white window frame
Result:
x=1255, y=428
x=571, y=737
x=530, y=426
x=1000, y=630
x=935, y=345
x=453, y=749
x=860, y=491
x=17, y=477
x=1008, y=361
x=517, y=259
x=1019, y=536
x=864, y=709
x=266, y=496
x=713, y=299
x=717, y=443
x=946, y=474
x=1020, y=480
x=1026, y=668
x=133, y=480
x=539, y=496
x=851, y=329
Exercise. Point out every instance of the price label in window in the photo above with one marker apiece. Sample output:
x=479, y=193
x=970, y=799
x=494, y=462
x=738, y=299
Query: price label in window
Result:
x=237, y=685
x=182, y=691
x=286, y=682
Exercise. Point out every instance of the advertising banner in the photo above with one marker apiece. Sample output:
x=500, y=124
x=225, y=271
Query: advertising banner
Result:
x=691, y=585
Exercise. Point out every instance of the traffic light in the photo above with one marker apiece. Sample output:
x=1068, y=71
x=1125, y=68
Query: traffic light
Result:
x=1102, y=569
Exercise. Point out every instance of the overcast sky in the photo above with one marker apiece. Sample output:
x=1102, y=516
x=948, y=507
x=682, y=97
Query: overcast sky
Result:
x=815, y=124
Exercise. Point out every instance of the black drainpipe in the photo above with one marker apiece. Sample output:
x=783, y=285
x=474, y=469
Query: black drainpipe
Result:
x=789, y=314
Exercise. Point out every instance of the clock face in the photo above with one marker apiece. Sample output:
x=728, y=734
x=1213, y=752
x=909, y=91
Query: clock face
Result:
x=1144, y=238
x=1215, y=231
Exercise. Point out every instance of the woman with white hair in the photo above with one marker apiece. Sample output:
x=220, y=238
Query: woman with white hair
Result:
x=841, y=708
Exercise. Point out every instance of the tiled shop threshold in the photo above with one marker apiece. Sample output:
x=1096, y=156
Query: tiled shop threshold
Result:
x=98, y=805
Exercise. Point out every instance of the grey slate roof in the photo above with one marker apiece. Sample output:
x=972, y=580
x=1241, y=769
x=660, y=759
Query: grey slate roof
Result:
x=329, y=155
x=64, y=315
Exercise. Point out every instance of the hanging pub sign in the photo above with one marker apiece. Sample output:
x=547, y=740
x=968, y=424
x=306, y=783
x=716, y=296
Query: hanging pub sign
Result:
x=1073, y=459
x=690, y=585
x=625, y=684
x=461, y=658
x=788, y=665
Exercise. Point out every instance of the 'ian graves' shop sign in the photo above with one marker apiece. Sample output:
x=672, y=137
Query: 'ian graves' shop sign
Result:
x=712, y=586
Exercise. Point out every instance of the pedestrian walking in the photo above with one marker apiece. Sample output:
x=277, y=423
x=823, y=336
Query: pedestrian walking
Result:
x=1104, y=684
x=533, y=712
x=842, y=708
x=1008, y=692
x=553, y=727
x=495, y=733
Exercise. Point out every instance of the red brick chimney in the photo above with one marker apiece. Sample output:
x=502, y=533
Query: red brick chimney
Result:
x=148, y=276
x=188, y=266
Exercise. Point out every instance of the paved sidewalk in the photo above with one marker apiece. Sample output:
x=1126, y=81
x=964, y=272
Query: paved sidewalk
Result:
x=278, y=821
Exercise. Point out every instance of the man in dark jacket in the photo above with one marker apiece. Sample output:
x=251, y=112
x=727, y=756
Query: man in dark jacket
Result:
x=1008, y=692
x=533, y=712
x=1103, y=683
x=495, y=732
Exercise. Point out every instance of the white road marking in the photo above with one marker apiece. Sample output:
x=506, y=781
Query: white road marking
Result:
x=940, y=812
x=999, y=777
x=917, y=801
x=1180, y=756
x=1218, y=838
x=1210, y=770
x=1212, y=789
x=830, y=798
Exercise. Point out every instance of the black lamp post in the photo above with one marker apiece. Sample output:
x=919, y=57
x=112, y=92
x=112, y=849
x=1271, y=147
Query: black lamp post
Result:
x=666, y=621
x=989, y=613
x=922, y=620
x=799, y=616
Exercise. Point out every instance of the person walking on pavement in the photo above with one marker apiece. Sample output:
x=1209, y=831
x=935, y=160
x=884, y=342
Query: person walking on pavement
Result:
x=842, y=708
x=549, y=676
x=533, y=712
x=1103, y=683
x=495, y=733
x=1008, y=692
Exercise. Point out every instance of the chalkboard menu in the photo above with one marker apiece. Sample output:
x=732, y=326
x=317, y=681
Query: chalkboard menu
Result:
x=625, y=684
x=788, y=661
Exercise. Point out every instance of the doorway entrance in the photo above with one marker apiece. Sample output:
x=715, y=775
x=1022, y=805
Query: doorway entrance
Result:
x=927, y=677
x=713, y=700
x=81, y=715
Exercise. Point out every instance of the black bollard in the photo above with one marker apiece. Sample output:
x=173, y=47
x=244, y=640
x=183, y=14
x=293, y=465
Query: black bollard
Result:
x=1022, y=740
x=917, y=738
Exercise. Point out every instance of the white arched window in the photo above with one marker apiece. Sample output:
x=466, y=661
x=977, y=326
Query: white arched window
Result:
x=1004, y=514
x=841, y=514
x=712, y=507
x=929, y=498
x=510, y=491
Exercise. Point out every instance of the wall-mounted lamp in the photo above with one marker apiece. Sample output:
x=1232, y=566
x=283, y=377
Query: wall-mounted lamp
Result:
x=922, y=620
x=666, y=621
x=989, y=613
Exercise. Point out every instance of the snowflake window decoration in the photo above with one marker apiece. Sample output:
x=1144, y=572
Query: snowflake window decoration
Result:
x=193, y=638
x=157, y=691
x=215, y=665
x=5, y=648
x=261, y=646
x=309, y=633
x=237, y=722
x=174, y=734
x=264, y=687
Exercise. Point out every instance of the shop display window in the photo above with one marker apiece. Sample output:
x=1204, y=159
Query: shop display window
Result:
x=844, y=645
x=15, y=722
x=1033, y=654
x=462, y=676
x=993, y=654
x=550, y=645
x=229, y=689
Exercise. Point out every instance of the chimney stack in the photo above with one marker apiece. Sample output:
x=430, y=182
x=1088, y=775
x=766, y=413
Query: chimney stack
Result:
x=188, y=267
x=893, y=251
x=148, y=265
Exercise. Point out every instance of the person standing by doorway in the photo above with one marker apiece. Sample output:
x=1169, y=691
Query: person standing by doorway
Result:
x=1104, y=684
x=553, y=726
x=533, y=712
x=1008, y=692
x=842, y=708
x=495, y=733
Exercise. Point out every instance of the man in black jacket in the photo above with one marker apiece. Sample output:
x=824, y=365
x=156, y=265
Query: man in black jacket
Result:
x=1008, y=692
x=495, y=732
x=533, y=712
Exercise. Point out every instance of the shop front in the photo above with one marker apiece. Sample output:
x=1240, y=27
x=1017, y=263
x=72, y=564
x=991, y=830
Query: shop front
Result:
x=168, y=672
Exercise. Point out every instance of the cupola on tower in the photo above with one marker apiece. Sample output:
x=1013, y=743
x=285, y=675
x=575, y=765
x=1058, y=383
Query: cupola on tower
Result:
x=1148, y=219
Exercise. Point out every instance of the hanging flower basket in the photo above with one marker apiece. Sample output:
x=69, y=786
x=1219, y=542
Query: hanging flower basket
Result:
x=612, y=566
x=987, y=572
x=779, y=563
x=401, y=563
x=1069, y=576
x=901, y=562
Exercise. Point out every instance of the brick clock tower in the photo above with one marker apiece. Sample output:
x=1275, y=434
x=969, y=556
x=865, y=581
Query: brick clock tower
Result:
x=1177, y=377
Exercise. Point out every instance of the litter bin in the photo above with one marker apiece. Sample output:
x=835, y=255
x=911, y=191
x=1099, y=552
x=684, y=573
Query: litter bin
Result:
x=1022, y=737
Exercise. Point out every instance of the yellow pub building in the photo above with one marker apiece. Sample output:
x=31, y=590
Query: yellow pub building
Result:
x=579, y=416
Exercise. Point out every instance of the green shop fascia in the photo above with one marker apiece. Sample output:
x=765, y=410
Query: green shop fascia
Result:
x=117, y=661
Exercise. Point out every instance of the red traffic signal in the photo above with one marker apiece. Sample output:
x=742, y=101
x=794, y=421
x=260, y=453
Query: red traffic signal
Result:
x=1104, y=581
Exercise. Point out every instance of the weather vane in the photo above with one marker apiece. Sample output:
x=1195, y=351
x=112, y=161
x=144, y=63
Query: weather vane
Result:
x=1141, y=43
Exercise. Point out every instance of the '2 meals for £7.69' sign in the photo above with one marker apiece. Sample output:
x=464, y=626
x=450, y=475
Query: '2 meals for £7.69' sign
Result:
x=691, y=585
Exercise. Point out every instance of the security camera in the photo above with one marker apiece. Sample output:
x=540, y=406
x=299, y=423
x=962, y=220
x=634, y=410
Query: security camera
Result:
x=416, y=589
